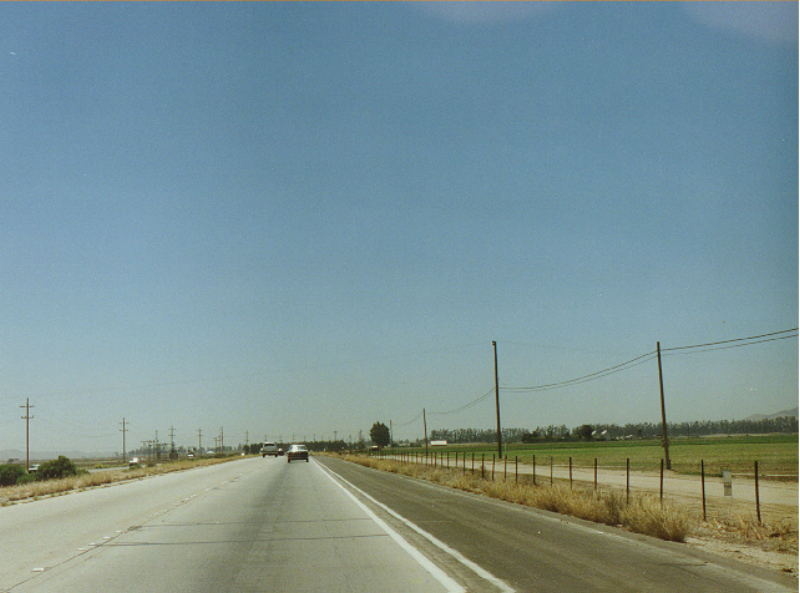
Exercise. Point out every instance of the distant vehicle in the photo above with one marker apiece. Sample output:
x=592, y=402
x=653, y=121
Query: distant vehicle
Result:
x=269, y=449
x=34, y=467
x=134, y=462
x=296, y=452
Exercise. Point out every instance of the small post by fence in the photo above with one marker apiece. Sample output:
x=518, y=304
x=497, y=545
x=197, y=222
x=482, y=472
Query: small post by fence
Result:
x=703, y=487
x=473, y=462
x=627, y=480
x=493, y=460
x=483, y=466
x=570, y=473
x=758, y=502
x=595, y=474
x=534, y=469
x=551, y=470
x=505, y=468
x=661, y=484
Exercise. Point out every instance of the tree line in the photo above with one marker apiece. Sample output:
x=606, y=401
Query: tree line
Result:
x=640, y=430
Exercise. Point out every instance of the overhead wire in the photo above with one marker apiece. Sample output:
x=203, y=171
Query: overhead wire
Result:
x=673, y=352
x=465, y=406
x=641, y=359
x=623, y=366
x=785, y=331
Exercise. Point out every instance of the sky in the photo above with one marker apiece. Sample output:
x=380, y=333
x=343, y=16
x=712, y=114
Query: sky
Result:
x=292, y=220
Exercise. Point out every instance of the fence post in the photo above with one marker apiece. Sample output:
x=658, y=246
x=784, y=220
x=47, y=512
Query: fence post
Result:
x=661, y=484
x=758, y=502
x=516, y=469
x=483, y=470
x=627, y=480
x=534, y=470
x=473, y=462
x=551, y=470
x=703, y=486
x=505, y=468
x=595, y=474
x=570, y=473
x=493, y=460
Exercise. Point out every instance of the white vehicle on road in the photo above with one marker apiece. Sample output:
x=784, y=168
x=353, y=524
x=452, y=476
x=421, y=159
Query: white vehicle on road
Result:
x=269, y=449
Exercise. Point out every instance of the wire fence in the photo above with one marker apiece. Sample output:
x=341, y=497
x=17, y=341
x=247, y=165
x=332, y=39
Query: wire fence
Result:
x=744, y=489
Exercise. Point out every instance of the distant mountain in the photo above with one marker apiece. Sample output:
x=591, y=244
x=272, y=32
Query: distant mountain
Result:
x=792, y=412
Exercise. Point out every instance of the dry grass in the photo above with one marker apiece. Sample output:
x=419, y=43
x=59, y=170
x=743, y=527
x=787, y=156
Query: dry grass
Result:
x=36, y=490
x=641, y=514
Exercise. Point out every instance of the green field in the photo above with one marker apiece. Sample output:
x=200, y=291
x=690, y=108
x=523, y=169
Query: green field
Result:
x=776, y=454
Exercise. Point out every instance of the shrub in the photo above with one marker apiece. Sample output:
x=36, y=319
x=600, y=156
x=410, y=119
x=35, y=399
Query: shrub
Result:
x=10, y=474
x=57, y=468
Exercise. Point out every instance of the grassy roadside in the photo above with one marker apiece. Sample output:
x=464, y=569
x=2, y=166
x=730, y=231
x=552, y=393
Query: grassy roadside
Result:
x=643, y=513
x=85, y=480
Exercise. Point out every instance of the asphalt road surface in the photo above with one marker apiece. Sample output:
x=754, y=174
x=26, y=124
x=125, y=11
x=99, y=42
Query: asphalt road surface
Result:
x=333, y=527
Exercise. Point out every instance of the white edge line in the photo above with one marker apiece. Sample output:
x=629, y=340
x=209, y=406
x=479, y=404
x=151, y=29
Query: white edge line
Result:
x=437, y=573
x=477, y=569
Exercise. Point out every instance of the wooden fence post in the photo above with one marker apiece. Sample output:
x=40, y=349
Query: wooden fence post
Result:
x=703, y=486
x=627, y=480
x=758, y=502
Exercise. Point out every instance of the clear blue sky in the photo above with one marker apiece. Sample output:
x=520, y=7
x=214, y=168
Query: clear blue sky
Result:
x=294, y=218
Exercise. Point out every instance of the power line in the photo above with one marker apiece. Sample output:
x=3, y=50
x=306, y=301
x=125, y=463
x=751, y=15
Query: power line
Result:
x=784, y=331
x=465, y=406
x=729, y=346
x=676, y=350
x=617, y=368
x=414, y=419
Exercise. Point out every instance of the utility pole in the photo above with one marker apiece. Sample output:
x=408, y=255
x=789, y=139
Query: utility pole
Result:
x=172, y=453
x=390, y=433
x=664, y=436
x=221, y=440
x=497, y=402
x=27, y=418
x=425, y=428
x=199, y=441
x=123, y=430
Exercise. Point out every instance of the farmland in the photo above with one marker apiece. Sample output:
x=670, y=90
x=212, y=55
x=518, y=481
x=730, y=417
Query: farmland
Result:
x=777, y=454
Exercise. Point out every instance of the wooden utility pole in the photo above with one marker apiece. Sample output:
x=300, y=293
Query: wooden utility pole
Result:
x=497, y=402
x=27, y=418
x=664, y=436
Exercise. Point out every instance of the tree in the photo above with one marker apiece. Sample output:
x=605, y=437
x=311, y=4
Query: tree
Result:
x=584, y=432
x=56, y=468
x=379, y=433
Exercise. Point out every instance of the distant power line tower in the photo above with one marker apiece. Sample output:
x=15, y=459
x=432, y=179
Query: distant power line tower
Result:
x=123, y=430
x=172, y=453
x=27, y=418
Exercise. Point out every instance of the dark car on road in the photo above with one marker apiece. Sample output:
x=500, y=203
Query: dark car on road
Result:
x=296, y=452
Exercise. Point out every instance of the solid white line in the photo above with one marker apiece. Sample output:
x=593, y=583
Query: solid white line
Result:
x=476, y=568
x=437, y=573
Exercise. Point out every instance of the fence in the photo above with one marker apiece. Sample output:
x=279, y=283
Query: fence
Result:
x=747, y=489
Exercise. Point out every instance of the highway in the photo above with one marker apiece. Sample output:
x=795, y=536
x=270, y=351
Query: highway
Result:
x=330, y=526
